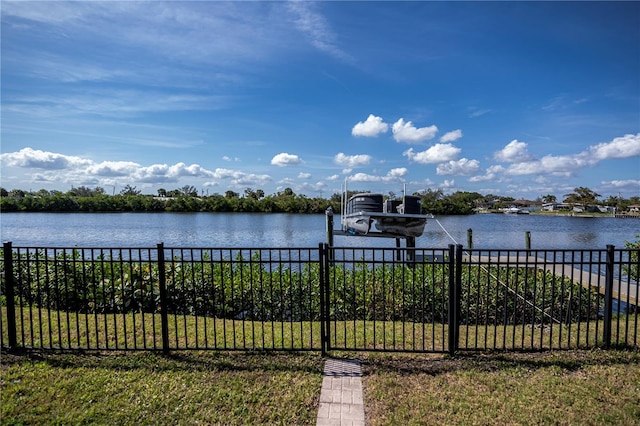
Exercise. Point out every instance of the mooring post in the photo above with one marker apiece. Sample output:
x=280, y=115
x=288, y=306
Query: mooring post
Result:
x=411, y=249
x=527, y=239
x=329, y=216
x=470, y=238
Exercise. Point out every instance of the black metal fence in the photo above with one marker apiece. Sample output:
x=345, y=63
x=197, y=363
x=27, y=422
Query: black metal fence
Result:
x=321, y=299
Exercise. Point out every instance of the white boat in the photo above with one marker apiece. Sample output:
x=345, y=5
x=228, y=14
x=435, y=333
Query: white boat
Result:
x=367, y=214
x=515, y=210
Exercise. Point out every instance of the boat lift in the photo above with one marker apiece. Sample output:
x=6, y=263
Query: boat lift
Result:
x=410, y=242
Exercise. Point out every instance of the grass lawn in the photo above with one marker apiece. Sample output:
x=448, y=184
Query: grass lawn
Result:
x=561, y=388
x=147, y=388
x=583, y=387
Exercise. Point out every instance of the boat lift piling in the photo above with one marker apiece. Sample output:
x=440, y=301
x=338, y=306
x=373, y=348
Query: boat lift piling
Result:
x=410, y=242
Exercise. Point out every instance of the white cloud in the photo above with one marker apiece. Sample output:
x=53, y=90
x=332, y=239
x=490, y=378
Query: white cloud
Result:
x=477, y=112
x=398, y=172
x=344, y=160
x=394, y=175
x=566, y=165
x=286, y=181
x=448, y=184
x=407, y=132
x=302, y=175
x=285, y=159
x=35, y=158
x=372, y=127
x=333, y=178
x=492, y=173
x=563, y=165
x=621, y=147
x=439, y=153
x=463, y=166
x=618, y=183
x=628, y=184
x=314, y=25
x=113, y=168
x=514, y=152
x=318, y=186
x=451, y=136
x=82, y=171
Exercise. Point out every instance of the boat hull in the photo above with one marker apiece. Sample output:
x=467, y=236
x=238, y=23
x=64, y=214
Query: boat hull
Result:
x=366, y=214
x=392, y=224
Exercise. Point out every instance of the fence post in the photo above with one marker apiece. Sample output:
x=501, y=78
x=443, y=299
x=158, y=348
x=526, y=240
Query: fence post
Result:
x=10, y=293
x=608, y=296
x=323, y=337
x=470, y=238
x=162, y=281
x=325, y=326
x=455, y=278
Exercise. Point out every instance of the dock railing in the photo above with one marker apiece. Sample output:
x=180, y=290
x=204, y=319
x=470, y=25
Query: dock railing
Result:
x=317, y=299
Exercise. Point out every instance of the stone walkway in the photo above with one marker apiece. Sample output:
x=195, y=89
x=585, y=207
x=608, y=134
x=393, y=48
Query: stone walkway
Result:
x=341, y=396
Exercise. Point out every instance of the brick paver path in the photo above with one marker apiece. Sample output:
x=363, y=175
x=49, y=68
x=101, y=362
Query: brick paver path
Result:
x=341, y=396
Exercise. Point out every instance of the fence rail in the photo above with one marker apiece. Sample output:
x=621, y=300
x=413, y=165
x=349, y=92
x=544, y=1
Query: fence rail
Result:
x=317, y=299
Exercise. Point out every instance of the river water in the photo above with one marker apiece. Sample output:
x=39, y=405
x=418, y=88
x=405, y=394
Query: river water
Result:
x=490, y=231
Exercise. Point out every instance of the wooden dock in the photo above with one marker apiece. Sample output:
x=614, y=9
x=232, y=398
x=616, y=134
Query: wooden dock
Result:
x=625, y=291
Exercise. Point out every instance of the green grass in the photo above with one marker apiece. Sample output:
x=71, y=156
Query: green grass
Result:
x=42, y=328
x=256, y=387
x=561, y=388
x=146, y=388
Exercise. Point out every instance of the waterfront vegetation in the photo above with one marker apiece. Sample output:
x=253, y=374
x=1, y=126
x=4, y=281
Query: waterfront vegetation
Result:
x=257, y=290
x=187, y=199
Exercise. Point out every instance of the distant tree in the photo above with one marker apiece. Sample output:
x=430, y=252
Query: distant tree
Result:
x=162, y=192
x=17, y=193
x=83, y=191
x=250, y=193
x=129, y=190
x=582, y=195
x=548, y=198
x=231, y=194
x=189, y=191
x=430, y=195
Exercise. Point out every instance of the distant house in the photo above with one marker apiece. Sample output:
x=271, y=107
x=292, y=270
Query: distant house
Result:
x=552, y=207
x=528, y=205
x=634, y=208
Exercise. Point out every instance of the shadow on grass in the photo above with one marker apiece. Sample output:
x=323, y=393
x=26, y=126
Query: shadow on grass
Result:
x=176, y=361
x=570, y=360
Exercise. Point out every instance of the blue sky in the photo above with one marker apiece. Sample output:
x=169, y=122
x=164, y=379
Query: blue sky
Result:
x=518, y=99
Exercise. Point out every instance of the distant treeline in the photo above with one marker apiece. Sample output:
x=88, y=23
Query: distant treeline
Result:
x=148, y=203
x=186, y=199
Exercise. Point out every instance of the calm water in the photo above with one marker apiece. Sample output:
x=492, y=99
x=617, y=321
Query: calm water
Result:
x=287, y=230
